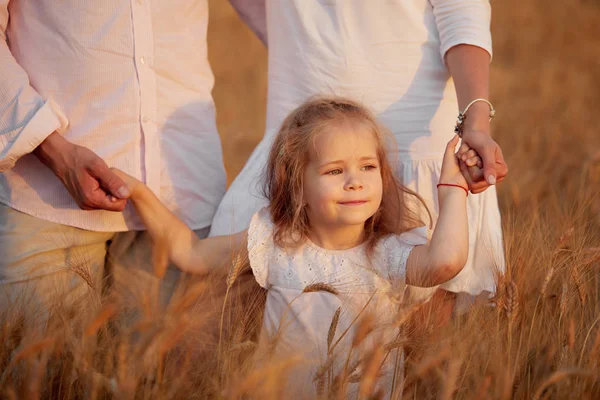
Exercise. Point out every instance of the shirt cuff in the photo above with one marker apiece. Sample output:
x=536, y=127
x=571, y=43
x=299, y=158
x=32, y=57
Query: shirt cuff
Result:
x=48, y=119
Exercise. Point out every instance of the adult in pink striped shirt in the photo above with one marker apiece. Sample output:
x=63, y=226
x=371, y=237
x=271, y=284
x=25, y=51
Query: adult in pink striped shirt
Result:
x=84, y=88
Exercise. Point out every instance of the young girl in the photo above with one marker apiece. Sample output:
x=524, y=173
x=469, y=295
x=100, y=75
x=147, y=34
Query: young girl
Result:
x=337, y=234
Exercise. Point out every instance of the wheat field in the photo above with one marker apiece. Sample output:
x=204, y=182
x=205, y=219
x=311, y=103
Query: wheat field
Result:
x=538, y=339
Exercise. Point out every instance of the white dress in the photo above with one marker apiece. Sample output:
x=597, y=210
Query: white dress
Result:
x=388, y=55
x=300, y=321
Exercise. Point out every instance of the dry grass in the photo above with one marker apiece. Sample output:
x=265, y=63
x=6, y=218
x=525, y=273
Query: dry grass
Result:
x=540, y=338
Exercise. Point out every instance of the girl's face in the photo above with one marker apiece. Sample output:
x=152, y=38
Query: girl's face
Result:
x=342, y=181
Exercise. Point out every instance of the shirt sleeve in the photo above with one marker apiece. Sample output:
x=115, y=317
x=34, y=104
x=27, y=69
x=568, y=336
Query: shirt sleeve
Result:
x=260, y=246
x=398, y=248
x=26, y=119
x=463, y=22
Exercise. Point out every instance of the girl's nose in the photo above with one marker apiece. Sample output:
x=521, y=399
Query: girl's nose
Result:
x=353, y=184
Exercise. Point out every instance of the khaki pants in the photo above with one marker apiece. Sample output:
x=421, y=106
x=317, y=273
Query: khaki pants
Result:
x=47, y=267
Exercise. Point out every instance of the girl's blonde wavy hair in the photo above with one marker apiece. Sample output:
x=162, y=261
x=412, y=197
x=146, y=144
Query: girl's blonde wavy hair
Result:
x=288, y=160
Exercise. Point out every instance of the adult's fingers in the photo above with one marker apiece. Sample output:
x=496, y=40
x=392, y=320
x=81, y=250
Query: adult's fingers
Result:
x=501, y=167
x=488, y=156
x=109, y=181
x=476, y=173
x=474, y=186
x=105, y=201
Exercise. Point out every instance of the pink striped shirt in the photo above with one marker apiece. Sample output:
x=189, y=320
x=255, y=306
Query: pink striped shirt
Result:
x=130, y=80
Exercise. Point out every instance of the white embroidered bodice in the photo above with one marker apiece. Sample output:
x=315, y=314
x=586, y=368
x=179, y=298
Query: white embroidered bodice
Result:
x=355, y=276
x=362, y=284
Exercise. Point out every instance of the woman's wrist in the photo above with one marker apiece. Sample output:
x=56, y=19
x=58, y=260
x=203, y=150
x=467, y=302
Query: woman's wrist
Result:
x=478, y=118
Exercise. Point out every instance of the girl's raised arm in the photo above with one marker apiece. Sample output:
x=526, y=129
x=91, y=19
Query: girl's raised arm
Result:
x=446, y=254
x=185, y=249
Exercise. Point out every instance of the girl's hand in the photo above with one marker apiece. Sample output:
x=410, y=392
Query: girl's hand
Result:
x=455, y=171
x=132, y=183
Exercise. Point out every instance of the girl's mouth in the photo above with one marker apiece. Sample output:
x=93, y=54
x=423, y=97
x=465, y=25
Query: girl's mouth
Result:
x=353, y=203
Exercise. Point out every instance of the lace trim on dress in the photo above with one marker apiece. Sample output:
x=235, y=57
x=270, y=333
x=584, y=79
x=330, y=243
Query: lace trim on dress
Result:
x=260, y=245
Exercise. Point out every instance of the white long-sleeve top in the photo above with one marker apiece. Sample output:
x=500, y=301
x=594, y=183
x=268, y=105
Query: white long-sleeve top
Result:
x=387, y=53
x=130, y=80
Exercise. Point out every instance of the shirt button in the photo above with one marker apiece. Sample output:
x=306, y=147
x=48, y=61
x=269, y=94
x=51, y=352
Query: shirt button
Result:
x=143, y=60
x=145, y=120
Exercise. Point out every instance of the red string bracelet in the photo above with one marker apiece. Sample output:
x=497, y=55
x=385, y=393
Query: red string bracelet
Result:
x=452, y=185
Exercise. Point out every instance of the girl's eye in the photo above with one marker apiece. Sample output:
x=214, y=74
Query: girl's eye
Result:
x=334, y=172
x=369, y=167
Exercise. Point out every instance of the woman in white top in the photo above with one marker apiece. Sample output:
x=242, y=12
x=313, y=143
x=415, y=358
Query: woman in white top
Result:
x=415, y=63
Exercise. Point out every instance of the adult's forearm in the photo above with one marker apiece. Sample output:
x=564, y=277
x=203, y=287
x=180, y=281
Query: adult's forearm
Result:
x=470, y=70
x=254, y=14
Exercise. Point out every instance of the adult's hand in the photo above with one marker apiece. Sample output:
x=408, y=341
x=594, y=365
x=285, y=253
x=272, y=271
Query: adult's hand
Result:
x=493, y=168
x=85, y=175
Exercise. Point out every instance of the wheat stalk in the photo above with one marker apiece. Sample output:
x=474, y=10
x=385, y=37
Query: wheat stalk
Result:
x=593, y=255
x=354, y=378
x=320, y=385
x=449, y=385
x=320, y=287
x=558, y=376
x=365, y=327
x=578, y=284
x=100, y=320
x=333, y=327
x=547, y=279
x=321, y=374
x=564, y=238
x=500, y=296
x=563, y=300
x=396, y=343
x=378, y=395
x=354, y=366
x=571, y=335
x=370, y=373
x=432, y=361
x=512, y=306
x=33, y=349
x=324, y=368
x=595, y=351
x=188, y=298
x=160, y=258
x=482, y=393
x=84, y=273
x=234, y=271
x=240, y=347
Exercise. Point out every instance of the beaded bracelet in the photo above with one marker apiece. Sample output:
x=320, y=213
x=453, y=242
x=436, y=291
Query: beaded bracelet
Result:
x=462, y=116
x=453, y=185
